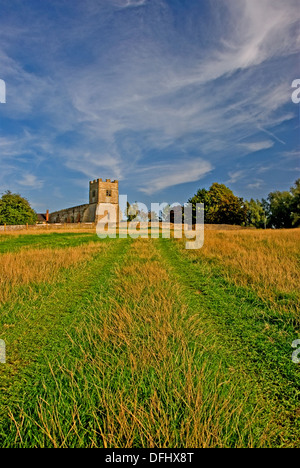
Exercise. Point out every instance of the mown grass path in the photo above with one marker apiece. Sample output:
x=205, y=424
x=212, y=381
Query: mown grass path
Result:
x=141, y=346
x=249, y=334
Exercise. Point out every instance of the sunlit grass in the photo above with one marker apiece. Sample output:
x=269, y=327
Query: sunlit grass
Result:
x=267, y=261
x=39, y=265
x=140, y=343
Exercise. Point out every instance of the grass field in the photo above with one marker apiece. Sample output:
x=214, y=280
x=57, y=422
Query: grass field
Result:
x=141, y=343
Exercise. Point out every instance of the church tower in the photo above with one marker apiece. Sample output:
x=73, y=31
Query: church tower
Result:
x=103, y=199
x=106, y=196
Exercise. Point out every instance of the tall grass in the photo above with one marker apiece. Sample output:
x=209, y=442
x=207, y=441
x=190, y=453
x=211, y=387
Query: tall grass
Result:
x=124, y=353
x=266, y=261
x=34, y=266
x=141, y=371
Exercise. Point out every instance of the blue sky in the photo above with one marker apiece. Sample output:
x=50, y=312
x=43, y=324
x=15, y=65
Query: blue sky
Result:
x=167, y=96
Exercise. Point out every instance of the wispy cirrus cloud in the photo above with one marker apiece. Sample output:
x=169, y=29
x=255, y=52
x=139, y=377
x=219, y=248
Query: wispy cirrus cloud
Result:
x=256, y=185
x=131, y=3
x=236, y=176
x=258, y=145
x=131, y=89
x=30, y=180
x=193, y=170
x=293, y=154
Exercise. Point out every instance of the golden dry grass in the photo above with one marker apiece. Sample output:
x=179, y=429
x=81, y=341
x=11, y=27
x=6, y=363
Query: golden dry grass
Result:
x=45, y=230
x=145, y=284
x=150, y=331
x=136, y=371
x=268, y=261
x=38, y=265
x=77, y=228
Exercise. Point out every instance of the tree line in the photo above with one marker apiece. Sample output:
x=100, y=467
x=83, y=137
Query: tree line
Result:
x=221, y=206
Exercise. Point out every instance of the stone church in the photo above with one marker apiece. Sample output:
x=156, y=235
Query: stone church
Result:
x=102, y=197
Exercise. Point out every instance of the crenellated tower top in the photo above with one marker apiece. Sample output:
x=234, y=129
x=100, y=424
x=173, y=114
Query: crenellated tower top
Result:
x=104, y=191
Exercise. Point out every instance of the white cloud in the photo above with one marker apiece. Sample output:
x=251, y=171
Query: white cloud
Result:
x=163, y=176
x=257, y=145
x=131, y=3
x=262, y=30
x=291, y=154
x=30, y=180
x=91, y=163
x=236, y=176
x=256, y=185
x=146, y=82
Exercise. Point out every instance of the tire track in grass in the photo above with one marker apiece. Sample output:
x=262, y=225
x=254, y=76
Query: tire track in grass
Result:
x=135, y=361
x=145, y=371
x=247, y=333
x=40, y=322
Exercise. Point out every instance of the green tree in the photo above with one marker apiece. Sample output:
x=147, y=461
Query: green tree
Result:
x=295, y=204
x=172, y=213
x=284, y=208
x=131, y=211
x=281, y=204
x=153, y=216
x=266, y=207
x=200, y=197
x=221, y=206
x=15, y=209
x=256, y=214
